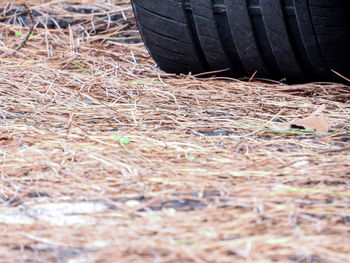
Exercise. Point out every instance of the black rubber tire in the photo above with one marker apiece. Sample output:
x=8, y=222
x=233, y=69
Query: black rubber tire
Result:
x=296, y=40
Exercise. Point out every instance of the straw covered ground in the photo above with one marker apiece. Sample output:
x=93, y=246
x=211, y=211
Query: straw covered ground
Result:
x=105, y=158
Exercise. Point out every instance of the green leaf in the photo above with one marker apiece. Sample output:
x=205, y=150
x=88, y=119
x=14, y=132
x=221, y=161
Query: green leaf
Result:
x=116, y=137
x=125, y=140
x=18, y=34
x=120, y=139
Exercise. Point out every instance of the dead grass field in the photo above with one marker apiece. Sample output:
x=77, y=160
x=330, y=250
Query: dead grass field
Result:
x=104, y=158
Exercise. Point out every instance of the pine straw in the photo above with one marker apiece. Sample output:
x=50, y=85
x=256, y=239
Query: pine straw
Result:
x=202, y=180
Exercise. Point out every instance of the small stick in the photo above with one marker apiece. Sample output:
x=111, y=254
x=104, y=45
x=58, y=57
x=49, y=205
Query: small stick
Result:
x=31, y=28
x=253, y=76
x=70, y=123
x=211, y=72
x=340, y=75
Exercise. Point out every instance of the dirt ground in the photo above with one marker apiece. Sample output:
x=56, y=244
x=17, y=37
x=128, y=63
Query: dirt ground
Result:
x=105, y=158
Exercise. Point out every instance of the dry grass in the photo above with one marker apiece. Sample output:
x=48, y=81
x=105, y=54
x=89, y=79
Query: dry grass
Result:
x=202, y=178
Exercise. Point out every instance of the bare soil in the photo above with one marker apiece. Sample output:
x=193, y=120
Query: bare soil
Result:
x=105, y=158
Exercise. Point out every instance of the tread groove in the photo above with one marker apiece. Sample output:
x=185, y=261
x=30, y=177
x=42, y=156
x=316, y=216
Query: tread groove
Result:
x=225, y=35
x=194, y=34
x=262, y=39
x=160, y=34
x=295, y=37
x=159, y=15
x=208, y=35
x=314, y=31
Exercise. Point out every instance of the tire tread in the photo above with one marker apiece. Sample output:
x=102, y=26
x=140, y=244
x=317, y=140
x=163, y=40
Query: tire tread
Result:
x=300, y=40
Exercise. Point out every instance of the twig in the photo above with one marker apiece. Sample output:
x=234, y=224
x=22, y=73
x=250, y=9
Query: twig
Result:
x=70, y=123
x=253, y=76
x=31, y=28
x=340, y=75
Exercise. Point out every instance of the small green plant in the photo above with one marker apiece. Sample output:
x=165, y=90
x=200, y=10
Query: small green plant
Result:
x=19, y=34
x=122, y=140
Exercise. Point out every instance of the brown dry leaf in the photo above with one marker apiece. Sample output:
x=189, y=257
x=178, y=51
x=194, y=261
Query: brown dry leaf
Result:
x=313, y=122
x=316, y=121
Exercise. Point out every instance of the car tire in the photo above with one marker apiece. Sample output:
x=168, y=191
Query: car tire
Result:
x=295, y=40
